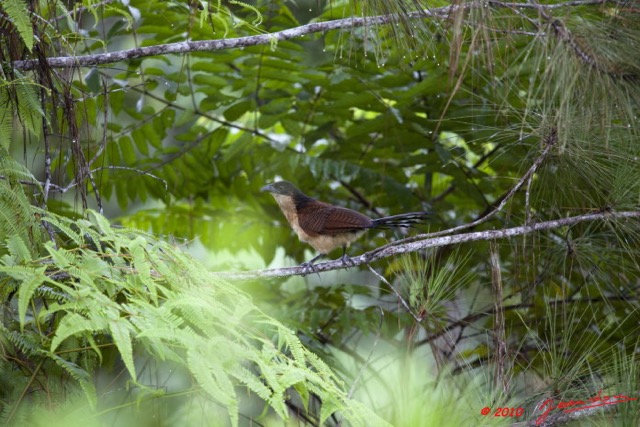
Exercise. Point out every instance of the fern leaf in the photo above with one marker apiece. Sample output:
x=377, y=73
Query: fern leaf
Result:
x=6, y=118
x=121, y=333
x=64, y=225
x=19, y=15
x=253, y=382
x=14, y=171
x=83, y=378
x=214, y=380
x=30, y=278
x=16, y=213
x=18, y=250
x=29, y=109
x=74, y=323
x=101, y=222
x=24, y=342
x=61, y=257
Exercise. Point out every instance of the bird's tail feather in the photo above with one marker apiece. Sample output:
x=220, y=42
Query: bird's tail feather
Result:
x=402, y=220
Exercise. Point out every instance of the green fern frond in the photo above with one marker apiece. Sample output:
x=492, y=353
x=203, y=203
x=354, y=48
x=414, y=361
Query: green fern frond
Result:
x=6, y=118
x=29, y=108
x=121, y=331
x=99, y=296
x=14, y=172
x=62, y=258
x=250, y=379
x=18, y=251
x=223, y=22
x=16, y=213
x=30, y=278
x=213, y=381
x=258, y=20
x=74, y=324
x=65, y=228
x=101, y=223
x=19, y=15
x=122, y=12
x=24, y=342
x=82, y=377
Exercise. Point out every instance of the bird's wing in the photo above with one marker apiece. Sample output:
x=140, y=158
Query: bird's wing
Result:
x=322, y=218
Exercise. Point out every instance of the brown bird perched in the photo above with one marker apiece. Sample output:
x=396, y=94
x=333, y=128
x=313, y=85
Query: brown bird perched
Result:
x=327, y=227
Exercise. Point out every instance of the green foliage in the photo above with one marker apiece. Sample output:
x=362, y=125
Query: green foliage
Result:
x=19, y=15
x=102, y=291
x=428, y=285
x=442, y=113
x=19, y=229
x=22, y=94
x=407, y=392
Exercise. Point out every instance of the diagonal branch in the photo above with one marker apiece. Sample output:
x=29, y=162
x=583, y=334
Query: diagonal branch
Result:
x=393, y=289
x=406, y=247
x=563, y=33
x=550, y=140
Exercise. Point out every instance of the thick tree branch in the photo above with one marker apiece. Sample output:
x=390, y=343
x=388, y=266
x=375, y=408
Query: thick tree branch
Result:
x=264, y=39
x=432, y=242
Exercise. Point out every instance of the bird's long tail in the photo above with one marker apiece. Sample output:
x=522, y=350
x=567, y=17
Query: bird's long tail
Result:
x=402, y=220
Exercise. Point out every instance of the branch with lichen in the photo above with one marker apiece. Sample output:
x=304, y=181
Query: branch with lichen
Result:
x=292, y=33
x=401, y=247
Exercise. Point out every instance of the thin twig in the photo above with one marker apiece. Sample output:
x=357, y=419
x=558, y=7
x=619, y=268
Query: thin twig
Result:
x=52, y=186
x=527, y=199
x=474, y=316
x=402, y=300
x=58, y=189
x=358, y=195
x=127, y=168
x=476, y=165
x=499, y=334
x=563, y=33
x=352, y=389
x=551, y=141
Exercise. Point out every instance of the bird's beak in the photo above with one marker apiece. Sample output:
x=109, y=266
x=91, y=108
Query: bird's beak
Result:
x=268, y=188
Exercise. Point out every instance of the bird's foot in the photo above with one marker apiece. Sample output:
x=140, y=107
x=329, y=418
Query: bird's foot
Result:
x=346, y=260
x=308, y=268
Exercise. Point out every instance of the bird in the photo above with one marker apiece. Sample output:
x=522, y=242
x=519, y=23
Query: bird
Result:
x=327, y=227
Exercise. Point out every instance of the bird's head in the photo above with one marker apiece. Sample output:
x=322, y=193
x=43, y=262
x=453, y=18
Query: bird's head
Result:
x=284, y=188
